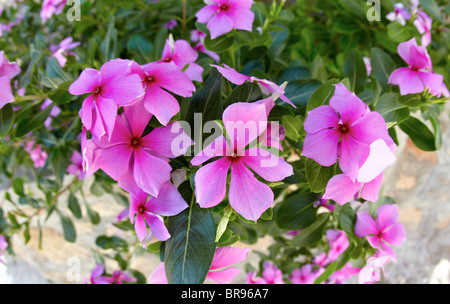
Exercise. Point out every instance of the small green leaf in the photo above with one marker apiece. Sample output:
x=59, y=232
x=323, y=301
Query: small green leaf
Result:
x=17, y=185
x=419, y=133
x=219, y=44
x=296, y=212
x=33, y=123
x=311, y=234
x=6, y=120
x=74, y=206
x=382, y=66
x=318, y=175
x=70, y=233
x=355, y=71
x=293, y=126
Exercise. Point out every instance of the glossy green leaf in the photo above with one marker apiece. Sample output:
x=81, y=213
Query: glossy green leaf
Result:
x=419, y=133
x=296, y=212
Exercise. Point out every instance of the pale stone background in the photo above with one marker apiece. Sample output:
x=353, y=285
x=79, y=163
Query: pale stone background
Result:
x=419, y=182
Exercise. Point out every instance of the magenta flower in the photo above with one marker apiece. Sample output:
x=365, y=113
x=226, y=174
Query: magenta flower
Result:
x=371, y=272
x=338, y=243
x=223, y=257
x=97, y=276
x=63, y=49
x=3, y=246
x=150, y=211
x=111, y=87
x=222, y=16
x=271, y=275
x=53, y=113
x=267, y=87
x=305, y=275
x=383, y=231
x=244, y=122
x=197, y=36
x=346, y=128
x=51, y=7
x=419, y=75
x=143, y=158
x=321, y=202
x=76, y=166
x=200, y=47
x=170, y=24
x=37, y=155
x=159, y=79
x=119, y=277
x=423, y=24
x=182, y=54
x=8, y=70
x=344, y=274
x=400, y=14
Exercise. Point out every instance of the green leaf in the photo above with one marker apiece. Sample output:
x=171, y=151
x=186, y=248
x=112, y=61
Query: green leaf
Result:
x=318, y=70
x=382, y=66
x=61, y=95
x=74, y=206
x=411, y=100
x=432, y=8
x=113, y=242
x=70, y=233
x=293, y=126
x=299, y=91
x=355, y=71
x=140, y=48
x=318, y=175
x=17, y=185
x=247, y=92
x=56, y=73
x=33, y=123
x=354, y=7
x=219, y=44
x=311, y=234
x=94, y=217
x=419, y=133
x=190, y=250
x=321, y=95
x=398, y=32
x=6, y=120
x=296, y=212
x=26, y=78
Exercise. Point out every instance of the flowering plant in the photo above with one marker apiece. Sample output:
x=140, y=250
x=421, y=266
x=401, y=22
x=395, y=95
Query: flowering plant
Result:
x=215, y=124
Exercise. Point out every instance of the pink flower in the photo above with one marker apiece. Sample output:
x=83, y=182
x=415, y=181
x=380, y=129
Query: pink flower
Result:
x=97, y=276
x=270, y=275
x=143, y=159
x=305, y=275
x=346, y=128
x=119, y=277
x=197, y=36
x=8, y=70
x=224, y=257
x=383, y=231
x=111, y=87
x=168, y=203
x=338, y=243
x=244, y=122
x=170, y=24
x=419, y=75
x=53, y=113
x=182, y=54
x=200, y=47
x=51, y=7
x=159, y=79
x=400, y=14
x=76, y=166
x=324, y=203
x=3, y=246
x=267, y=87
x=342, y=189
x=222, y=16
x=37, y=155
x=343, y=274
x=59, y=51
x=423, y=24
x=371, y=272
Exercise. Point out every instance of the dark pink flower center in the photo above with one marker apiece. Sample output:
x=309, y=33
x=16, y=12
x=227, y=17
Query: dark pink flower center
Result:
x=344, y=129
x=98, y=91
x=150, y=79
x=141, y=209
x=224, y=7
x=415, y=69
x=168, y=59
x=135, y=142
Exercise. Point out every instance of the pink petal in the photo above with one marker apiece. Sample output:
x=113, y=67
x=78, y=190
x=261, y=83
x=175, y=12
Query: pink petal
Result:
x=157, y=227
x=227, y=256
x=107, y=113
x=168, y=203
x=322, y=146
x=88, y=81
x=123, y=90
x=347, y=104
x=353, y=154
x=195, y=72
x=206, y=13
x=211, y=182
x=370, y=190
x=183, y=53
x=380, y=157
x=365, y=225
x=6, y=95
x=158, y=276
x=269, y=166
x=176, y=81
x=161, y=104
x=219, y=25
x=108, y=158
x=86, y=112
x=387, y=216
x=114, y=69
x=150, y=172
x=242, y=18
x=223, y=276
x=408, y=80
x=395, y=234
x=243, y=4
x=137, y=118
x=140, y=227
x=231, y=75
x=433, y=82
x=414, y=55
x=248, y=196
x=369, y=128
x=341, y=189
x=318, y=119
x=217, y=147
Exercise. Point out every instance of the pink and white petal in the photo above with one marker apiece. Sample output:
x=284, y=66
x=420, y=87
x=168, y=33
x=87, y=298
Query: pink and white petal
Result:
x=395, y=234
x=433, y=82
x=157, y=227
x=195, y=72
x=227, y=256
x=408, y=81
x=270, y=167
x=158, y=276
x=88, y=81
x=211, y=182
x=322, y=146
x=352, y=155
x=231, y=75
x=107, y=109
x=223, y=276
x=248, y=196
x=347, y=104
x=124, y=90
x=206, y=13
x=341, y=189
x=161, y=104
x=108, y=158
x=371, y=127
x=150, y=172
x=380, y=157
x=365, y=225
x=168, y=203
x=318, y=119
x=115, y=68
x=140, y=227
x=170, y=141
x=217, y=147
x=6, y=95
x=242, y=18
x=219, y=25
x=86, y=112
x=404, y=50
x=183, y=53
x=370, y=190
x=387, y=216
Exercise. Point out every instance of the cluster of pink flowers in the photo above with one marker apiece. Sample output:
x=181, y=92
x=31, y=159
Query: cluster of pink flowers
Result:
x=51, y=7
x=37, y=155
x=98, y=277
x=63, y=49
x=271, y=274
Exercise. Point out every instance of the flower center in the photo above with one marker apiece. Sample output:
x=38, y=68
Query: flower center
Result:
x=135, y=142
x=415, y=69
x=150, y=79
x=224, y=7
x=344, y=129
x=141, y=209
x=97, y=90
x=168, y=59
